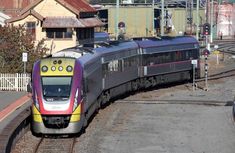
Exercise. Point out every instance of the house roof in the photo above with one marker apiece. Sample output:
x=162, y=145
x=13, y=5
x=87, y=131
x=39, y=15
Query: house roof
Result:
x=13, y=4
x=29, y=12
x=61, y=22
x=91, y=22
x=81, y=5
x=13, y=7
x=70, y=22
x=76, y=6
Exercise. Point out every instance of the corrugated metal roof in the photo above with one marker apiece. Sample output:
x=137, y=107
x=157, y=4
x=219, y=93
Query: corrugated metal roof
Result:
x=80, y=5
x=30, y=12
x=61, y=22
x=70, y=22
x=12, y=7
x=91, y=22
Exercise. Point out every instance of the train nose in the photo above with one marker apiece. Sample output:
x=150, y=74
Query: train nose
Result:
x=56, y=121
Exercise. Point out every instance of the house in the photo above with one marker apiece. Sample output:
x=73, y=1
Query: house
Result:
x=62, y=23
x=3, y=17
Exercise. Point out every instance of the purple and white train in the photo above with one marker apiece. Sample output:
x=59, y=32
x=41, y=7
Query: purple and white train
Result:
x=69, y=88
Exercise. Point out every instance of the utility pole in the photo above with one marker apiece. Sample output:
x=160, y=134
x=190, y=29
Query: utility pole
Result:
x=207, y=13
x=116, y=19
x=162, y=18
x=153, y=18
x=197, y=24
x=212, y=18
x=189, y=16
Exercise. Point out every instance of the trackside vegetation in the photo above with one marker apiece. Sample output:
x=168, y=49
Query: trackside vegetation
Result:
x=13, y=42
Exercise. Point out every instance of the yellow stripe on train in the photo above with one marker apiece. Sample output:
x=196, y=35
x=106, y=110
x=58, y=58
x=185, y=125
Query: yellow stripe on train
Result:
x=57, y=67
x=36, y=115
x=76, y=114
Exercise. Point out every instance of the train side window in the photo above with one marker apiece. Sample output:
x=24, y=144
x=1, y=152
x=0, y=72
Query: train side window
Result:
x=178, y=56
x=187, y=56
x=130, y=61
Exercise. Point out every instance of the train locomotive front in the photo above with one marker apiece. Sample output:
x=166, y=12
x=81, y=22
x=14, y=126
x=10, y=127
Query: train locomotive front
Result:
x=57, y=96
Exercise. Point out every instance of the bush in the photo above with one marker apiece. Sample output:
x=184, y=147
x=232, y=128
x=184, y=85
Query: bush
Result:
x=13, y=42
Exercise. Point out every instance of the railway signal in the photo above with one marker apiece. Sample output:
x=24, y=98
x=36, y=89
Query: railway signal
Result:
x=206, y=29
x=194, y=63
x=206, y=53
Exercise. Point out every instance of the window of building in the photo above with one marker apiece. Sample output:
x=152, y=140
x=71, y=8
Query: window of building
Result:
x=31, y=29
x=85, y=33
x=59, y=33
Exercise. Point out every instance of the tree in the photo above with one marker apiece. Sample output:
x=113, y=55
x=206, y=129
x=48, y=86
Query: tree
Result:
x=13, y=42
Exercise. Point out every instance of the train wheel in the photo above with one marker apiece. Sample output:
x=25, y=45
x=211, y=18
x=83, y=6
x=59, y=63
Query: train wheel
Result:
x=85, y=121
x=134, y=85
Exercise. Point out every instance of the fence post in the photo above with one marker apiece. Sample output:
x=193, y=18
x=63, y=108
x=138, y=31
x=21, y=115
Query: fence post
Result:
x=16, y=81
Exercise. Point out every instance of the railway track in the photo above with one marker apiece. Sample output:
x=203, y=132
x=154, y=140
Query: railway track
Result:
x=183, y=102
x=220, y=75
x=57, y=144
x=227, y=47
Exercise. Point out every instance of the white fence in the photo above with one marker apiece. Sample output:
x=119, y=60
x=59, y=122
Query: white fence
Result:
x=14, y=82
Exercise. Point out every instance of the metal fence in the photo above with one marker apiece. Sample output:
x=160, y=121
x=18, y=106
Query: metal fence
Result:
x=14, y=82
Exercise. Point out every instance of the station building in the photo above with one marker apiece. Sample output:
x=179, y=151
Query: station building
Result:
x=62, y=23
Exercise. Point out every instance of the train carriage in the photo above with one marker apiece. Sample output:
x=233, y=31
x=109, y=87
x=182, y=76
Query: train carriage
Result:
x=165, y=61
x=70, y=86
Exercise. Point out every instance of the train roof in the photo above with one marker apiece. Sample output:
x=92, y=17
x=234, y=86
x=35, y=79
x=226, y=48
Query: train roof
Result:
x=114, y=46
x=108, y=48
x=166, y=41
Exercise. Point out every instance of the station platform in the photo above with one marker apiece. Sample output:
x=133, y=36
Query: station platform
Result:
x=11, y=105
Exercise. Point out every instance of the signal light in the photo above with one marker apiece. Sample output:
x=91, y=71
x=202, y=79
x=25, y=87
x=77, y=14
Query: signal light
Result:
x=44, y=68
x=60, y=68
x=206, y=29
x=53, y=68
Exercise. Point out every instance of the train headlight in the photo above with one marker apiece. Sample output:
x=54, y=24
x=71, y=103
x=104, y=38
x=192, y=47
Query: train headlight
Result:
x=53, y=68
x=36, y=103
x=69, y=68
x=44, y=68
x=60, y=68
x=75, y=104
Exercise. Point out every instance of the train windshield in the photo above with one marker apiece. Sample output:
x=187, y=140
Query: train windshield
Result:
x=56, y=88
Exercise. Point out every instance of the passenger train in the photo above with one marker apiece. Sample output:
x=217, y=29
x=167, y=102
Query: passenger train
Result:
x=74, y=83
